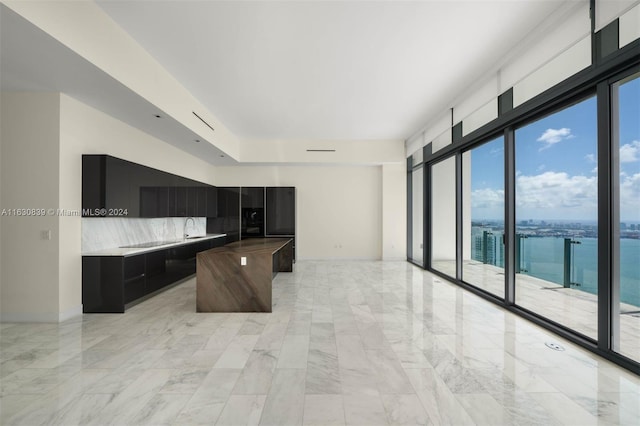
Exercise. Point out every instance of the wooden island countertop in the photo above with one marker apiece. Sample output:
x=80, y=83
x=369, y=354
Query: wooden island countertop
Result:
x=223, y=284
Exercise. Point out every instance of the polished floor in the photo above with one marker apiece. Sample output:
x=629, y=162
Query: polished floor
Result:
x=571, y=307
x=358, y=343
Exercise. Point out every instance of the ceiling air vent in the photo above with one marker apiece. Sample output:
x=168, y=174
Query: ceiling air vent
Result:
x=321, y=150
x=201, y=119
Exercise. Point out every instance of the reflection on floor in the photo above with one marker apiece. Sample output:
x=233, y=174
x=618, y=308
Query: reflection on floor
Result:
x=570, y=307
x=359, y=343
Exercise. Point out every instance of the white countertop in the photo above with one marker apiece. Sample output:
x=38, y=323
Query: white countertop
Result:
x=128, y=251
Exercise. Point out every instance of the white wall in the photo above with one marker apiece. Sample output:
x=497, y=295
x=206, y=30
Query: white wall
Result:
x=338, y=208
x=394, y=212
x=43, y=139
x=30, y=147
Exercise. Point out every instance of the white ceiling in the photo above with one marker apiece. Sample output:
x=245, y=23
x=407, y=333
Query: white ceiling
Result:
x=31, y=60
x=328, y=69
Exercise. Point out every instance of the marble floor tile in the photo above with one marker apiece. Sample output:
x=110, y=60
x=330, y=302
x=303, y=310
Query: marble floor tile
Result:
x=323, y=372
x=364, y=410
x=564, y=409
x=348, y=342
x=242, y=410
x=285, y=401
x=440, y=403
x=206, y=404
x=237, y=352
x=392, y=378
x=404, y=410
x=185, y=380
x=294, y=351
x=323, y=410
x=162, y=409
x=127, y=404
x=256, y=376
x=483, y=409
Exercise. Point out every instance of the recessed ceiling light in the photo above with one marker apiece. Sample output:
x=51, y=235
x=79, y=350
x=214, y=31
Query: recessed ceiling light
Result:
x=157, y=115
x=221, y=155
x=197, y=140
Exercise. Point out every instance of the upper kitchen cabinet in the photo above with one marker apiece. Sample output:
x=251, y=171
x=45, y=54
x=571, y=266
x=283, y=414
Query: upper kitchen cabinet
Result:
x=227, y=219
x=115, y=187
x=281, y=211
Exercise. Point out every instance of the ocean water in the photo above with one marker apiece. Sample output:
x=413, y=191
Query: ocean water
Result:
x=543, y=257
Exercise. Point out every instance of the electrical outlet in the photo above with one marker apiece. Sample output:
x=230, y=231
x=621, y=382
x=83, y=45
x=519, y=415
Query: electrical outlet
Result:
x=46, y=234
x=243, y=261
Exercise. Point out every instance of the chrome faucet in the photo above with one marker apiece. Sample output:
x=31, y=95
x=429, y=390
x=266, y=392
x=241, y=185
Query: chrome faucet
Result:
x=186, y=235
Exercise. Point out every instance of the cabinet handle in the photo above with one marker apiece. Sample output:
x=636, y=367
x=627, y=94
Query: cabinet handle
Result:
x=134, y=278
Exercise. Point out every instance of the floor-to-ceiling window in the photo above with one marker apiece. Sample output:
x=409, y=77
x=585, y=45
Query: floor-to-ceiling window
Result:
x=557, y=217
x=417, y=215
x=443, y=218
x=483, y=216
x=546, y=217
x=626, y=141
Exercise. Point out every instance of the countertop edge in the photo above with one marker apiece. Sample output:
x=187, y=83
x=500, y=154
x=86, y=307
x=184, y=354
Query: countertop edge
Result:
x=124, y=252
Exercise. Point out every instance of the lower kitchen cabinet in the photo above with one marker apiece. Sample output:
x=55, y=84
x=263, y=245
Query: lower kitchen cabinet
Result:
x=110, y=283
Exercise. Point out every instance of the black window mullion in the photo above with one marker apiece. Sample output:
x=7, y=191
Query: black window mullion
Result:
x=459, y=219
x=409, y=209
x=509, y=216
x=427, y=243
x=605, y=222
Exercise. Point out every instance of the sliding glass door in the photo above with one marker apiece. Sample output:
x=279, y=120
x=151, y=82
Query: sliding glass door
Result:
x=417, y=215
x=626, y=264
x=443, y=217
x=556, y=251
x=483, y=217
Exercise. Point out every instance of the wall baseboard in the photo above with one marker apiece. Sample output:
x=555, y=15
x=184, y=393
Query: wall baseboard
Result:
x=51, y=317
x=73, y=312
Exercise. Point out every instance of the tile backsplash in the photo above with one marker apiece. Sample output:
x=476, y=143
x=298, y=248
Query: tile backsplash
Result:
x=102, y=233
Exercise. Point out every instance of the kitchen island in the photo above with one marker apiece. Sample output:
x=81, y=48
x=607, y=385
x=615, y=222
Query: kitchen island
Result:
x=238, y=276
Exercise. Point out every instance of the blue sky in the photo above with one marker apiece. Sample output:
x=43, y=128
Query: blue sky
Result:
x=556, y=165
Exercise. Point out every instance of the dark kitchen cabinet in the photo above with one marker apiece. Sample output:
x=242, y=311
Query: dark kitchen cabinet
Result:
x=110, y=283
x=252, y=212
x=116, y=187
x=281, y=211
x=134, y=277
x=211, y=201
x=227, y=220
x=252, y=197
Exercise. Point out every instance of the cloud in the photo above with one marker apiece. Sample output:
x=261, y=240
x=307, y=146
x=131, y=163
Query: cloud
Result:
x=630, y=197
x=630, y=152
x=487, y=198
x=553, y=191
x=541, y=167
x=553, y=136
x=591, y=158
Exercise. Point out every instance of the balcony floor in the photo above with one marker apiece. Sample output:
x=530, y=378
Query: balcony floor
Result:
x=570, y=307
